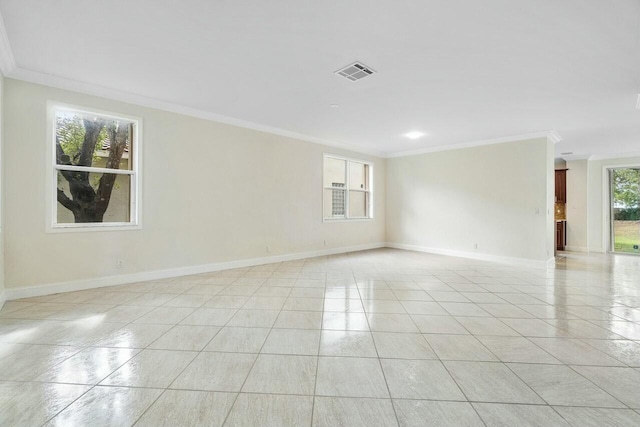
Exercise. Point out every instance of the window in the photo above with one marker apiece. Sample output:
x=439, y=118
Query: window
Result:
x=347, y=188
x=95, y=178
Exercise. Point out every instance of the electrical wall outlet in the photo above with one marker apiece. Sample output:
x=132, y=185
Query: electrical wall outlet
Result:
x=119, y=263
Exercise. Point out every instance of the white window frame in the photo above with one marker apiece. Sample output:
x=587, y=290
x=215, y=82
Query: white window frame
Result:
x=52, y=168
x=347, y=189
x=608, y=235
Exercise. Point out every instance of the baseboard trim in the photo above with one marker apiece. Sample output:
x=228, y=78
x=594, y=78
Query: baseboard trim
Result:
x=100, y=282
x=520, y=262
x=576, y=248
x=551, y=262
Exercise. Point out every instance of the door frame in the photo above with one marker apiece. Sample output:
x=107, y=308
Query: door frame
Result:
x=607, y=198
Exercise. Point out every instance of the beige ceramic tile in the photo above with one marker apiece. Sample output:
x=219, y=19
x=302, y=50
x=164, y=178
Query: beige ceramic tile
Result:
x=151, y=368
x=486, y=326
x=185, y=337
x=345, y=321
x=621, y=383
x=459, y=347
x=347, y=343
x=391, y=322
x=282, y=374
x=561, y=385
x=517, y=349
x=165, y=315
x=598, y=417
x=420, y=379
x=133, y=336
x=254, y=318
x=343, y=305
x=299, y=320
x=303, y=304
x=216, y=372
x=491, y=382
x=418, y=413
x=26, y=404
x=519, y=415
x=188, y=409
x=107, y=406
x=205, y=316
x=33, y=360
x=292, y=341
x=626, y=351
x=238, y=340
x=365, y=377
x=89, y=366
x=438, y=325
x=574, y=352
x=353, y=412
x=391, y=345
x=270, y=410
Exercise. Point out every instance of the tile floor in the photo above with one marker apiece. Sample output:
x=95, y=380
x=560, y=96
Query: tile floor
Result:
x=374, y=338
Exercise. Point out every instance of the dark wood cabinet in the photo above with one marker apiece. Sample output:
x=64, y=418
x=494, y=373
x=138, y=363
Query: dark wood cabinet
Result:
x=561, y=186
x=560, y=240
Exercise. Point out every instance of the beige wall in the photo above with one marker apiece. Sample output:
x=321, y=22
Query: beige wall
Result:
x=577, y=205
x=2, y=195
x=598, y=213
x=498, y=196
x=211, y=193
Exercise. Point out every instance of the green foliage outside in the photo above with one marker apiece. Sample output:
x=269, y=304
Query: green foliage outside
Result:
x=626, y=236
x=70, y=132
x=626, y=187
x=631, y=214
x=626, y=224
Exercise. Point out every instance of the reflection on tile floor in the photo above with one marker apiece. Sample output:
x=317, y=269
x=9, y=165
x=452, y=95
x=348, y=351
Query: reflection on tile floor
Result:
x=383, y=337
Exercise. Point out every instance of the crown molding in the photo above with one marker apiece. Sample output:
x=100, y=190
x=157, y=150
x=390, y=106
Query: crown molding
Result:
x=554, y=136
x=572, y=157
x=615, y=156
x=551, y=135
x=7, y=61
x=144, y=101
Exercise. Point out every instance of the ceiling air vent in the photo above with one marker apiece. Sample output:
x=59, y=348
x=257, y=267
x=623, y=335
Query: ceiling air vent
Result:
x=355, y=71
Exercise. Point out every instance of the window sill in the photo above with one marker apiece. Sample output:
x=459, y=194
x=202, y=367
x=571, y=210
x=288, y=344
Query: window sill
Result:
x=92, y=227
x=347, y=220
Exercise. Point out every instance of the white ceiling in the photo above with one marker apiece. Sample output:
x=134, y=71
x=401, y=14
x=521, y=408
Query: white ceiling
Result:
x=458, y=70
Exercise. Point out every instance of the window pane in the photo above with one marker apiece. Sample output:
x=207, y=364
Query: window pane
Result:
x=625, y=197
x=334, y=172
x=92, y=140
x=358, y=201
x=86, y=197
x=357, y=176
x=334, y=203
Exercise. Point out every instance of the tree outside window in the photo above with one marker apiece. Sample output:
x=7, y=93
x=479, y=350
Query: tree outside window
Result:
x=95, y=169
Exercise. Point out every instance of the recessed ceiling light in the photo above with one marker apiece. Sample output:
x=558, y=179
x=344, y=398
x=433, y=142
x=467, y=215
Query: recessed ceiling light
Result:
x=334, y=106
x=414, y=135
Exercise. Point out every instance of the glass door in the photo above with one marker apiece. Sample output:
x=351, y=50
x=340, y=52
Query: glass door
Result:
x=625, y=210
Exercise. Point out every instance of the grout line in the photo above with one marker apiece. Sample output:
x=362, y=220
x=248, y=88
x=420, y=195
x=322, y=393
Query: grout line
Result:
x=384, y=375
x=348, y=263
x=252, y=366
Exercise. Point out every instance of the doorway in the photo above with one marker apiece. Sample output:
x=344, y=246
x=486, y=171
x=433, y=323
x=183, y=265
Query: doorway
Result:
x=624, y=185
